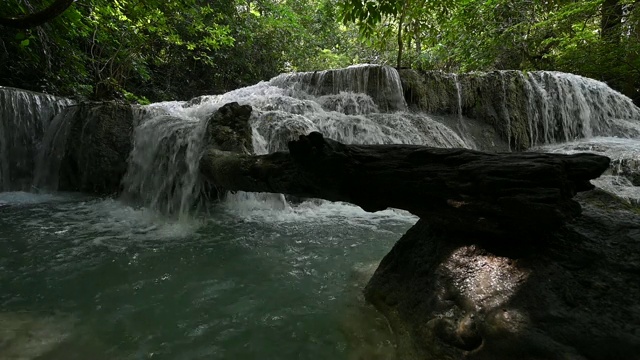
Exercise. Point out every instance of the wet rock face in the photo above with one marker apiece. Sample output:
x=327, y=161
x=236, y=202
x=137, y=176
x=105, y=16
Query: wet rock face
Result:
x=98, y=145
x=527, y=109
x=498, y=99
x=571, y=295
x=228, y=128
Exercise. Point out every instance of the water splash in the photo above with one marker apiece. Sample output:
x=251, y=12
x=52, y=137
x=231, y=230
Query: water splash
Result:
x=163, y=166
x=24, y=115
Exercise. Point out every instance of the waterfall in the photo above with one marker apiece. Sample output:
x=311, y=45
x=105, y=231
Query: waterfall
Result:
x=564, y=107
x=505, y=108
x=24, y=115
x=357, y=105
x=163, y=165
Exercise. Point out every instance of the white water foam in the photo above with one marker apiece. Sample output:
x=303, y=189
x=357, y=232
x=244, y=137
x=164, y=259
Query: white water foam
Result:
x=273, y=210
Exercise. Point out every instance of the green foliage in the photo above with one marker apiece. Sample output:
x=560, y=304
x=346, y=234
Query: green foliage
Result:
x=595, y=38
x=159, y=50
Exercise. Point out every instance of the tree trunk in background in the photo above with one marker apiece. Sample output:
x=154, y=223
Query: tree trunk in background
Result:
x=611, y=20
x=403, y=14
x=38, y=18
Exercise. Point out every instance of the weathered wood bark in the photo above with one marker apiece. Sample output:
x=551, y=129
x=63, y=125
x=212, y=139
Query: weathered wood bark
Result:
x=37, y=18
x=494, y=193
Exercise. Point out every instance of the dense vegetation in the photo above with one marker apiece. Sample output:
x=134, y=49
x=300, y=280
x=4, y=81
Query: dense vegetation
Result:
x=159, y=50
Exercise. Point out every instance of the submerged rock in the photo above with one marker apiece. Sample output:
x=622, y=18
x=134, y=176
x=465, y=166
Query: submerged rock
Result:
x=571, y=295
x=27, y=336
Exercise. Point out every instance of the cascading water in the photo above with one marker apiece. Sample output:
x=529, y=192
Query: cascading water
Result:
x=169, y=147
x=24, y=115
x=382, y=83
x=505, y=109
x=528, y=109
x=565, y=107
x=170, y=138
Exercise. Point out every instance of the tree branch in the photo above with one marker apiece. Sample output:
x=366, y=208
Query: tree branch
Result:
x=38, y=18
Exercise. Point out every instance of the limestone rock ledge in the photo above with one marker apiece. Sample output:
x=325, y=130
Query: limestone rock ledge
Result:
x=570, y=295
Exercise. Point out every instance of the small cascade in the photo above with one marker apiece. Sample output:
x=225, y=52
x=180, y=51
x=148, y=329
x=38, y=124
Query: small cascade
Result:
x=382, y=83
x=563, y=107
x=349, y=103
x=566, y=107
x=505, y=109
x=463, y=128
x=24, y=116
x=51, y=153
x=163, y=165
x=459, y=96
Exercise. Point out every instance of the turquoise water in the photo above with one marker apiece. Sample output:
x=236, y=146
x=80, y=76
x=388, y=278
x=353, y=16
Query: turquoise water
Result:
x=86, y=278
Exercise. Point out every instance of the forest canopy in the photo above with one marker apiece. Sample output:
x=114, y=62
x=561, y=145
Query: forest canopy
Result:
x=160, y=50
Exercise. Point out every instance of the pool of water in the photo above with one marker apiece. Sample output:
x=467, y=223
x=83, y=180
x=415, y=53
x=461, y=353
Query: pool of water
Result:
x=87, y=278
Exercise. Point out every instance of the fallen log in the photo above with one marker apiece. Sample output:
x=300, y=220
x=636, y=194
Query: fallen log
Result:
x=471, y=191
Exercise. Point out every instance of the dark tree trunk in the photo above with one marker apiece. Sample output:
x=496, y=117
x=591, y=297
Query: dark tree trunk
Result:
x=611, y=20
x=400, y=25
x=38, y=18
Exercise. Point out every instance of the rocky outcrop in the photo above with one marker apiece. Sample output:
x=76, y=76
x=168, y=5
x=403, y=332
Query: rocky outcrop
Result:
x=571, y=295
x=623, y=176
x=228, y=128
x=527, y=109
x=98, y=143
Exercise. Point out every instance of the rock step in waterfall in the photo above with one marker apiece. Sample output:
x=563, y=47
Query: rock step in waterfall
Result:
x=358, y=105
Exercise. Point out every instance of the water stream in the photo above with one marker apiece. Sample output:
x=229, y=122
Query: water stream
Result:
x=86, y=278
